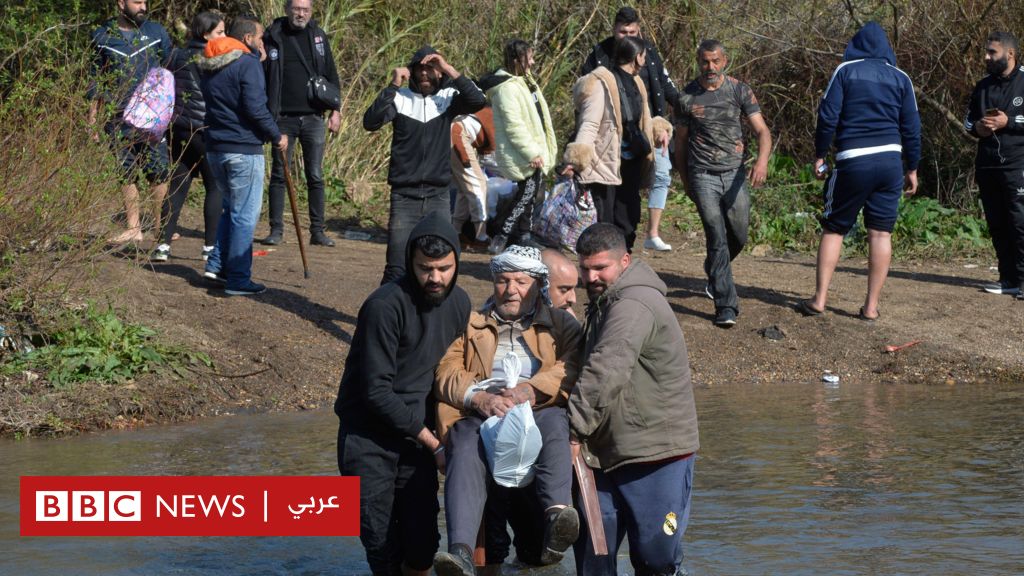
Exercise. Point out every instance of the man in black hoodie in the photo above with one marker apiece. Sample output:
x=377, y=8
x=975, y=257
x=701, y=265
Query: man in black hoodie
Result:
x=421, y=114
x=385, y=405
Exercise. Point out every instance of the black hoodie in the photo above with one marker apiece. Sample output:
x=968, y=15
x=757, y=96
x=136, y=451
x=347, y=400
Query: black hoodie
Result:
x=399, y=341
x=421, y=143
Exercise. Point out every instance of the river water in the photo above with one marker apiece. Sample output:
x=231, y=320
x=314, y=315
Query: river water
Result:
x=792, y=479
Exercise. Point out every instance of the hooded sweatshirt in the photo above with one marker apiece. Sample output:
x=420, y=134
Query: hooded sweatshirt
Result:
x=869, y=105
x=633, y=402
x=236, y=99
x=386, y=389
x=421, y=142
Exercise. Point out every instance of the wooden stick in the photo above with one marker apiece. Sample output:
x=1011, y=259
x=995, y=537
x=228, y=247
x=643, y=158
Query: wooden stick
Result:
x=295, y=212
x=590, y=503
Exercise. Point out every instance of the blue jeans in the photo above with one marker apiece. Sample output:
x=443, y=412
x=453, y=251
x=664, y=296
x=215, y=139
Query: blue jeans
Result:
x=637, y=501
x=310, y=131
x=658, y=194
x=723, y=203
x=241, y=178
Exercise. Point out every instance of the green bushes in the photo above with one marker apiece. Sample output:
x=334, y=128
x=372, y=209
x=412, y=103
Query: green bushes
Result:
x=93, y=344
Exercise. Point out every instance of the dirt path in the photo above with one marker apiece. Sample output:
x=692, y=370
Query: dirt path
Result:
x=285, y=349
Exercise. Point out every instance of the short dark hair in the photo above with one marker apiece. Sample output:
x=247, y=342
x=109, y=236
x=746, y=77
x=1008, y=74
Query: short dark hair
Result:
x=600, y=237
x=515, y=53
x=710, y=45
x=433, y=246
x=1006, y=39
x=243, y=26
x=627, y=49
x=626, y=15
x=204, y=23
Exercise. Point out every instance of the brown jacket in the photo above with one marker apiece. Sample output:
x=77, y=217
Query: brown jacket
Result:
x=553, y=337
x=596, y=152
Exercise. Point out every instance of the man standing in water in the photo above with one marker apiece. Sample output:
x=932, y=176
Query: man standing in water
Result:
x=385, y=401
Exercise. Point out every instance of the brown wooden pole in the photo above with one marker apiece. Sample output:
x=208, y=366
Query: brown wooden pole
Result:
x=295, y=211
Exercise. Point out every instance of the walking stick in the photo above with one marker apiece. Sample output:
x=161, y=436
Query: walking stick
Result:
x=295, y=211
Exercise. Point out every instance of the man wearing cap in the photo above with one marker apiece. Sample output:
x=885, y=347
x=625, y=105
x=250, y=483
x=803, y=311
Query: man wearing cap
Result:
x=421, y=115
x=517, y=321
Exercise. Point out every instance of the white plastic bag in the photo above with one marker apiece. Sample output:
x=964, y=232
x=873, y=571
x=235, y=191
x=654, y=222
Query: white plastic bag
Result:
x=513, y=442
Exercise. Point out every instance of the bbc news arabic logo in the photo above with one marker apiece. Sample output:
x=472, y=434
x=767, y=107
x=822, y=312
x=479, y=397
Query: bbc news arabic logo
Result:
x=189, y=506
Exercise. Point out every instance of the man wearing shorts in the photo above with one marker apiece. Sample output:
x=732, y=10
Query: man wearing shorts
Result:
x=870, y=111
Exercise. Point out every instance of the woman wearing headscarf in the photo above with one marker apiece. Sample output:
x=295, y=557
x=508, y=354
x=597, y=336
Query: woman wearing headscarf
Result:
x=526, y=149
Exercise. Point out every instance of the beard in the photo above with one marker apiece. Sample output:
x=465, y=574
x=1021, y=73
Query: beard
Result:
x=997, y=67
x=433, y=298
x=138, y=18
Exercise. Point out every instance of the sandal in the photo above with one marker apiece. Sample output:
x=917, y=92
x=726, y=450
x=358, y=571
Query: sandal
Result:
x=804, y=307
x=867, y=318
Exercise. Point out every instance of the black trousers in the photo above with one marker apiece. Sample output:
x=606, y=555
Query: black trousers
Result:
x=397, y=500
x=310, y=131
x=620, y=205
x=514, y=219
x=1002, y=197
x=189, y=152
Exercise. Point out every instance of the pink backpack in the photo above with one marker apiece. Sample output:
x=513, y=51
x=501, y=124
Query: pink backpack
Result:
x=151, y=106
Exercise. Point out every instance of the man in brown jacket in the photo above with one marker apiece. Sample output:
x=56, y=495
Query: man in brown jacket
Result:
x=517, y=321
x=633, y=410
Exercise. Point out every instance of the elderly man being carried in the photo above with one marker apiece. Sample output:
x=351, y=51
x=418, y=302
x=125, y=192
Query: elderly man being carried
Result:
x=516, y=322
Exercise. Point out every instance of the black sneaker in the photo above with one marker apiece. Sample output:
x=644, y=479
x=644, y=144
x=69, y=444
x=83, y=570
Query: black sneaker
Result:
x=560, y=531
x=1020, y=293
x=457, y=561
x=249, y=289
x=725, y=318
x=272, y=239
x=320, y=239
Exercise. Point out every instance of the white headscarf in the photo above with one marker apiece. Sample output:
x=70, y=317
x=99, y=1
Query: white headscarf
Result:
x=523, y=259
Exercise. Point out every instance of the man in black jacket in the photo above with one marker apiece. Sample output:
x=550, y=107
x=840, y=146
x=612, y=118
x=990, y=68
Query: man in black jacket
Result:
x=421, y=114
x=661, y=91
x=996, y=117
x=298, y=51
x=385, y=401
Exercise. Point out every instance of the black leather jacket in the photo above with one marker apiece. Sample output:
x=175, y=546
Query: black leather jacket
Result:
x=189, y=105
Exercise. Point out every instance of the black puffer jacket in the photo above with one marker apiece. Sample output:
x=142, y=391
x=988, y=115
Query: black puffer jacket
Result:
x=189, y=105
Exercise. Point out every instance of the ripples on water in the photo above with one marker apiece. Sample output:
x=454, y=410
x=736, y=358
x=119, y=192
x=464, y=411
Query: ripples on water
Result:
x=791, y=479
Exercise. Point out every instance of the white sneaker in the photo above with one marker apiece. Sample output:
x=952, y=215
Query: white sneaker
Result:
x=207, y=250
x=161, y=254
x=1001, y=288
x=657, y=244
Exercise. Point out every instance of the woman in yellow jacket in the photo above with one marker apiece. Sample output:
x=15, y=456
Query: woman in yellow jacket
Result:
x=525, y=142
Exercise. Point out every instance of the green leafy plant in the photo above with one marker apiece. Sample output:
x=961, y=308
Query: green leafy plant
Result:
x=94, y=344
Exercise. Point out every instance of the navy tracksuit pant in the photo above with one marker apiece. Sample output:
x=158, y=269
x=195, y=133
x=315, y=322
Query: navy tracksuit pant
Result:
x=649, y=504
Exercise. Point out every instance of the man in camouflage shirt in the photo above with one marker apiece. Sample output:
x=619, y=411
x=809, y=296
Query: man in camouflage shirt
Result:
x=710, y=152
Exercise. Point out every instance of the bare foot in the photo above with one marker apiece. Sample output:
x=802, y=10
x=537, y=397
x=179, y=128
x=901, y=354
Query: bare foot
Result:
x=129, y=235
x=175, y=236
